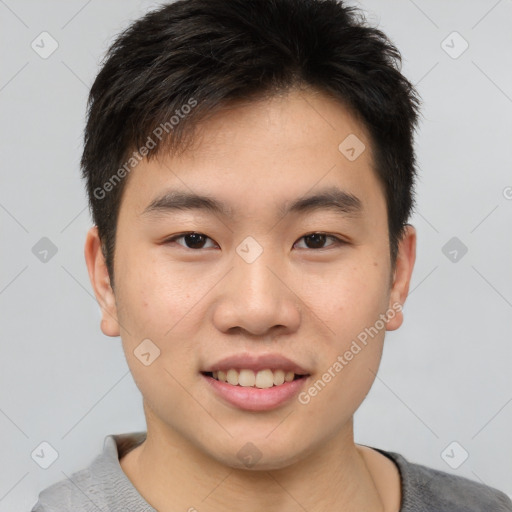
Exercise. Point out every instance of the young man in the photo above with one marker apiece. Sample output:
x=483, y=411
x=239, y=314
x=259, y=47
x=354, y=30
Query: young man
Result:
x=250, y=171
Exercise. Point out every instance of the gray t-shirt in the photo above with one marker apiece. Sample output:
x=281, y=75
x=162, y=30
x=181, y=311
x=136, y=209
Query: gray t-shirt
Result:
x=104, y=487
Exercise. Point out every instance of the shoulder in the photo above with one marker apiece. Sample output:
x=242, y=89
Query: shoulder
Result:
x=74, y=493
x=100, y=486
x=84, y=490
x=426, y=490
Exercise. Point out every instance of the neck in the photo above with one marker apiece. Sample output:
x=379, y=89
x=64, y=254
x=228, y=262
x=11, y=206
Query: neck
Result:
x=171, y=474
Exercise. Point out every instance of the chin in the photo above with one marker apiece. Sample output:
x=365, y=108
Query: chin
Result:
x=260, y=454
x=269, y=463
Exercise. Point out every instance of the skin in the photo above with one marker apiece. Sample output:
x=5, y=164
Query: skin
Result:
x=199, y=305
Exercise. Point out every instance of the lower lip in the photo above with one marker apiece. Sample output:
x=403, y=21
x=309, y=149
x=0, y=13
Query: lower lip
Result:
x=255, y=399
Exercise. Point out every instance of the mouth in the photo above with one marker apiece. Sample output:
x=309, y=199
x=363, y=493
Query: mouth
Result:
x=262, y=379
x=255, y=382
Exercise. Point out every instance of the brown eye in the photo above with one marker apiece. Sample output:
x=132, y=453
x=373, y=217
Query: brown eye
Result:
x=317, y=240
x=192, y=240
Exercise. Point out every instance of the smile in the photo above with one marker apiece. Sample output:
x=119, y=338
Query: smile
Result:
x=247, y=378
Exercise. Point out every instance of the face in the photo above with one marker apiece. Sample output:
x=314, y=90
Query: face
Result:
x=287, y=269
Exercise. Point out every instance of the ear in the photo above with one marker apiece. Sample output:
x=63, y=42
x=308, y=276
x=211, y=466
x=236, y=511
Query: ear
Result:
x=100, y=281
x=402, y=277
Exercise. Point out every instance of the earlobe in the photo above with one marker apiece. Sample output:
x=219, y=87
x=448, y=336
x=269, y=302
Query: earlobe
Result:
x=100, y=281
x=403, y=271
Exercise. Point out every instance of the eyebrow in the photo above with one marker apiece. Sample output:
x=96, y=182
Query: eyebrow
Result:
x=329, y=198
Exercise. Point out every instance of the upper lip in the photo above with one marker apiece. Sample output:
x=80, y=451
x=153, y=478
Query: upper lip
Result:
x=256, y=363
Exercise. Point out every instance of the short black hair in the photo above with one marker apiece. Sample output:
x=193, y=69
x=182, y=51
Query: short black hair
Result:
x=186, y=60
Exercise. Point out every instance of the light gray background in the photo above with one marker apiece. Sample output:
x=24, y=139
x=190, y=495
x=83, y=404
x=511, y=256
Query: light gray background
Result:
x=445, y=375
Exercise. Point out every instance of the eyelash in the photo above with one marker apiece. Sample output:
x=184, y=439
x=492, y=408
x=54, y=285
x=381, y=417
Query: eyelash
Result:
x=337, y=241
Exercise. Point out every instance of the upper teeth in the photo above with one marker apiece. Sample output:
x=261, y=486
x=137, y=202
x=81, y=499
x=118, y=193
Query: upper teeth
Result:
x=247, y=378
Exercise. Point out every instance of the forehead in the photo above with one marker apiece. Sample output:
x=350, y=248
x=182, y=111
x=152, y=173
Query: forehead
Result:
x=250, y=155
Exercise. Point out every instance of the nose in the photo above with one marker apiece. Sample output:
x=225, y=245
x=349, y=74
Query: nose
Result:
x=257, y=300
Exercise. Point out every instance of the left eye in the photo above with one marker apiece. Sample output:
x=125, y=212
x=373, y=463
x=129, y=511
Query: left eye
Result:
x=198, y=240
x=317, y=240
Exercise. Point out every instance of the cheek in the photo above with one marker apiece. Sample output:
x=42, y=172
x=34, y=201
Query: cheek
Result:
x=353, y=355
x=161, y=308
x=352, y=350
x=349, y=365
x=157, y=299
x=349, y=299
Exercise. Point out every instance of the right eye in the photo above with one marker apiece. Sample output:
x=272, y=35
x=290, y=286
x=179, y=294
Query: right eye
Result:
x=192, y=240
